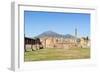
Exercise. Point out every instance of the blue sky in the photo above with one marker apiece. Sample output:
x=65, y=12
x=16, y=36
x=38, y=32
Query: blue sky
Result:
x=63, y=23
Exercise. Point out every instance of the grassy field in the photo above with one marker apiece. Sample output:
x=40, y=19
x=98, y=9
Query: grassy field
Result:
x=57, y=54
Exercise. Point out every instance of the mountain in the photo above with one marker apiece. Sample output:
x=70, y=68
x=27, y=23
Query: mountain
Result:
x=54, y=34
x=69, y=36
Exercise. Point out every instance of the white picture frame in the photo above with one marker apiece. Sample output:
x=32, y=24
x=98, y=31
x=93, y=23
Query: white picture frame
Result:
x=17, y=21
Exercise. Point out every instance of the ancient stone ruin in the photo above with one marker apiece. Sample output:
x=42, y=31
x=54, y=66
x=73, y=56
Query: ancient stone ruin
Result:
x=52, y=42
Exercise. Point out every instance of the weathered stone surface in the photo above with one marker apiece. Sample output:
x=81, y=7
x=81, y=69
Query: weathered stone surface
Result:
x=51, y=42
x=63, y=43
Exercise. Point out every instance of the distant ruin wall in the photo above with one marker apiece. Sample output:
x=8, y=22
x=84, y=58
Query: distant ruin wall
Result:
x=64, y=43
x=59, y=43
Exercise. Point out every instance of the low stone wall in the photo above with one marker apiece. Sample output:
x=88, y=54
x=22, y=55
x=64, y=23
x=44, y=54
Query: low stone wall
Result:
x=33, y=47
x=28, y=46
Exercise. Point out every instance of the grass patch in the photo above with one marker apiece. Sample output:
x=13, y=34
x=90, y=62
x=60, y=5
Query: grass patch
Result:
x=57, y=54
